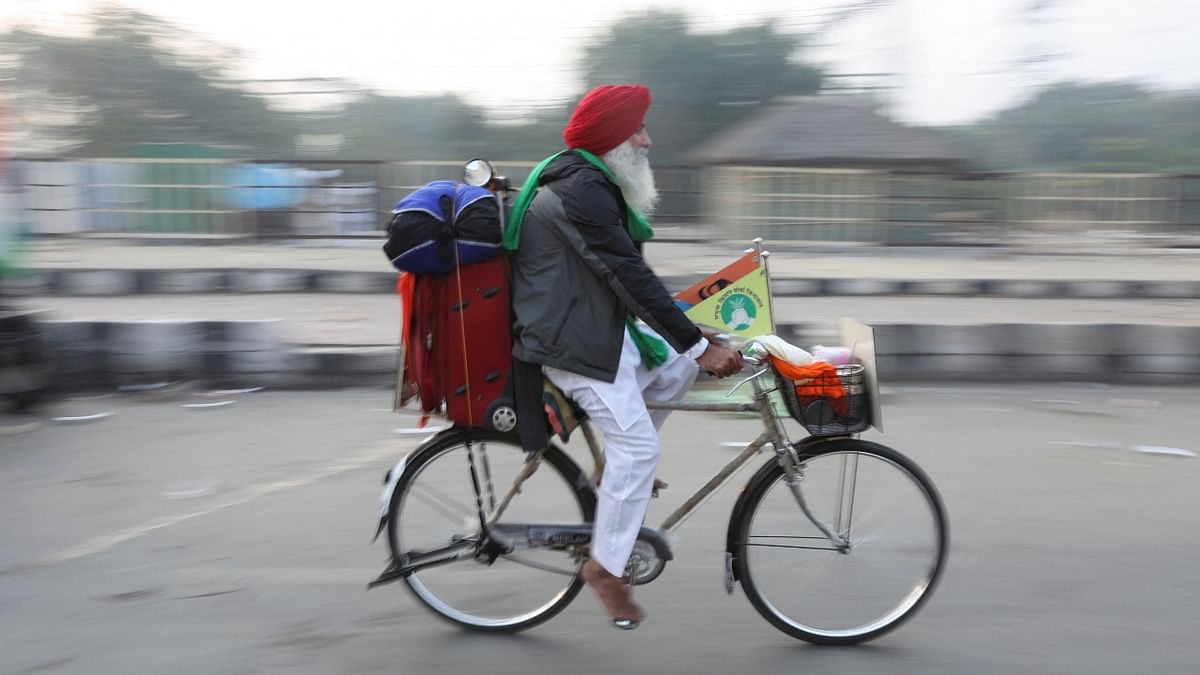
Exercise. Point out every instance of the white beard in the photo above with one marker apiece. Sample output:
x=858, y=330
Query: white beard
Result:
x=631, y=168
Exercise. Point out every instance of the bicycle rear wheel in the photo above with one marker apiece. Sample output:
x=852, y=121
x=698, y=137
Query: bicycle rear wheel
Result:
x=434, y=506
x=885, y=510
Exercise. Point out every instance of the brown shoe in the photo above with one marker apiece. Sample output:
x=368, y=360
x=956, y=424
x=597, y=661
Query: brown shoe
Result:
x=613, y=594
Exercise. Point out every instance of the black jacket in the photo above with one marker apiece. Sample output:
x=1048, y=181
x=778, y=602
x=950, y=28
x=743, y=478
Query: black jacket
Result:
x=577, y=274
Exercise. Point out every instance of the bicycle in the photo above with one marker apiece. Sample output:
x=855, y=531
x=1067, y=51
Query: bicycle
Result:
x=837, y=500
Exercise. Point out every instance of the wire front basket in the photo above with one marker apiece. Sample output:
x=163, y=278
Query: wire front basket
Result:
x=829, y=409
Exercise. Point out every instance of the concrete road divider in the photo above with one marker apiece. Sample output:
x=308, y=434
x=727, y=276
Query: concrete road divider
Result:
x=116, y=282
x=89, y=354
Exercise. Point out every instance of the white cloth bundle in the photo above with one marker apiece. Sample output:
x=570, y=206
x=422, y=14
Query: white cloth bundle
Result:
x=782, y=349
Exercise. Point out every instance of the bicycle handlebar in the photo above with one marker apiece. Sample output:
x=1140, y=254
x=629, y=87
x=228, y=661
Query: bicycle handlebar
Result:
x=753, y=354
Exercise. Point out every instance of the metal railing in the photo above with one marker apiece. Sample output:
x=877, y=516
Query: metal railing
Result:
x=307, y=198
x=1036, y=210
x=200, y=197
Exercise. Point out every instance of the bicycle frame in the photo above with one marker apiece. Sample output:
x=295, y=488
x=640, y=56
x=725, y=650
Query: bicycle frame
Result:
x=774, y=433
x=499, y=537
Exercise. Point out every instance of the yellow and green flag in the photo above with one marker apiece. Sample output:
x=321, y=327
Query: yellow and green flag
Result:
x=741, y=307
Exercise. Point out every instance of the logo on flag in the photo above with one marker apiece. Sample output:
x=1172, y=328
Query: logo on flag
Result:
x=738, y=312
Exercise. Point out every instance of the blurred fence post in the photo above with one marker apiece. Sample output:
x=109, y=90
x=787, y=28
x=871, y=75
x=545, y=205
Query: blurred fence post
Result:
x=1189, y=209
x=383, y=209
x=888, y=192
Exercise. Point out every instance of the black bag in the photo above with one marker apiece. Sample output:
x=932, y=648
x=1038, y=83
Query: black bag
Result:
x=441, y=225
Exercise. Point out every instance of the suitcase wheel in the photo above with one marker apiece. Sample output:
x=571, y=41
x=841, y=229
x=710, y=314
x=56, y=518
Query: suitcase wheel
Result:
x=501, y=416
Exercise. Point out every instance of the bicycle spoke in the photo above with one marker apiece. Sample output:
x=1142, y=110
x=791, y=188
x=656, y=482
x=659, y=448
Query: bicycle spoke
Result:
x=784, y=536
x=751, y=542
x=475, y=484
x=442, y=503
x=487, y=476
x=807, y=548
x=847, y=481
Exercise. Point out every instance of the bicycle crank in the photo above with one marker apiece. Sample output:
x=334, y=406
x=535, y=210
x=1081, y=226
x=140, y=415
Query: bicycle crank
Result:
x=644, y=564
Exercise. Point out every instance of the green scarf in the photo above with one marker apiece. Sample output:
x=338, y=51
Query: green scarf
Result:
x=652, y=350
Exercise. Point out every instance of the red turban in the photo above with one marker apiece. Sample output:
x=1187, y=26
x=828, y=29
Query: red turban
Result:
x=606, y=117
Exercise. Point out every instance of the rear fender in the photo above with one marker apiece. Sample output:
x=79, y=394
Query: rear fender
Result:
x=394, y=474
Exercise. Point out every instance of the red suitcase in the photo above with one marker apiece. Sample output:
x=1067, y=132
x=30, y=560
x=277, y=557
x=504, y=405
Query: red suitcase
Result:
x=478, y=341
x=460, y=349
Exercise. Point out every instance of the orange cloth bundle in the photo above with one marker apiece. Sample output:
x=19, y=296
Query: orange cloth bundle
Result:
x=406, y=388
x=815, y=380
x=405, y=285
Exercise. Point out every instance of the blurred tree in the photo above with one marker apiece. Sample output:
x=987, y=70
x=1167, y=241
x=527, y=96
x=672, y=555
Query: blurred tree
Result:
x=434, y=127
x=136, y=79
x=131, y=81
x=700, y=82
x=396, y=127
x=1092, y=127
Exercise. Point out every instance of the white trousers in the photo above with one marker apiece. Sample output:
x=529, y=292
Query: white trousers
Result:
x=631, y=448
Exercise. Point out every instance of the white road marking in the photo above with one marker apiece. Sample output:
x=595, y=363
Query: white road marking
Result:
x=190, y=490
x=84, y=418
x=218, y=404
x=231, y=392
x=107, y=542
x=1158, y=450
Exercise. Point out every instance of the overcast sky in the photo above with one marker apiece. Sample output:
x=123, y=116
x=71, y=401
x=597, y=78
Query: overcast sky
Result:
x=952, y=61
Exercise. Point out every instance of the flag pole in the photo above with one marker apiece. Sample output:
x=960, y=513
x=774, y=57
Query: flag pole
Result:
x=764, y=256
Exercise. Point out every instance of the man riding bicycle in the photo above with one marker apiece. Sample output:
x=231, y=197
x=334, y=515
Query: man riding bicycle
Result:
x=579, y=283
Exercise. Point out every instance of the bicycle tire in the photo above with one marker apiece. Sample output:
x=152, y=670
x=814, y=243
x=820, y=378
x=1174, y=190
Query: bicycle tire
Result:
x=780, y=606
x=451, y=601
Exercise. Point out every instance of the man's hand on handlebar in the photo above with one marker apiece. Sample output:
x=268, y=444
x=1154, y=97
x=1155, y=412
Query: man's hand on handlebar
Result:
x=720, y=361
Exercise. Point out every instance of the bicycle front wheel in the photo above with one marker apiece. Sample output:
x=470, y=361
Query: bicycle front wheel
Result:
x=434, y=507
x=847, y=553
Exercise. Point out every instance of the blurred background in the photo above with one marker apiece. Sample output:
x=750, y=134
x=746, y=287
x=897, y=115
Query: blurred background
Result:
x=198, y=331
x=893, y=122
